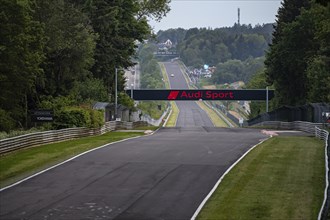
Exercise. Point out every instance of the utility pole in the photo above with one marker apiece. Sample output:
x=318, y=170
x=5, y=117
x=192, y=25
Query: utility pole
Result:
x=116, y=98
x=266, y=99
x=238, y=15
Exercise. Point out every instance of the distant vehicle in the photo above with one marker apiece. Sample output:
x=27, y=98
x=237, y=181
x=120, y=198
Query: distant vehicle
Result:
x=172, y=75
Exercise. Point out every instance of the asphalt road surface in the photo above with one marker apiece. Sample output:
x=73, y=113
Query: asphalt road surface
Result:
x=191, y=115
x=162, y=176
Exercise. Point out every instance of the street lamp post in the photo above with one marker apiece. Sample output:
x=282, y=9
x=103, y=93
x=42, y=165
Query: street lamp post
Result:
x=266, y=99
x=132, y=87
x=116, y=98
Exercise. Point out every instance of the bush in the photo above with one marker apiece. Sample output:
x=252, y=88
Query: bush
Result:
x=78, y=117
x=7, y=123
x=97, y=118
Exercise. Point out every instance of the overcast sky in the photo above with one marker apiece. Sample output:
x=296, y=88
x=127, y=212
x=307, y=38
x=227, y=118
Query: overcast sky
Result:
x=217, y=13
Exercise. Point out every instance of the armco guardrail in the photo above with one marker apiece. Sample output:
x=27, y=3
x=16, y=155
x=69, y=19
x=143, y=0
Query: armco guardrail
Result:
x=155, y=122
x=308, y=127
x=324, y=211
x=39, y=138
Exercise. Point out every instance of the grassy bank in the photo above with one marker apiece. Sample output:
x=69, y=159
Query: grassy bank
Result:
x=216, y=120
x=281, y=179
x=174, y=115
x=175, y=110
x=19, y=164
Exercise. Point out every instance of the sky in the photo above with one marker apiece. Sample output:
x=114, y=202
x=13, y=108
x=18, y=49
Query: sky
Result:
x=217, y=13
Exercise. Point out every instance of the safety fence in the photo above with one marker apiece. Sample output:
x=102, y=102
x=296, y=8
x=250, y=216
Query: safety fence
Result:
x=39, y=138
x=313, y=112
x=308, y=127
x=324, y=211
x=155, y=122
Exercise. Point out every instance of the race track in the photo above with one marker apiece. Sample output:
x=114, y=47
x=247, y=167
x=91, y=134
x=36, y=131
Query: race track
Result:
x=191, y=115
x=162, y=176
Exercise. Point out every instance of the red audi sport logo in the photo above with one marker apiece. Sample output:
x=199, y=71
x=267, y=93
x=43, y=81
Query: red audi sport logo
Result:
x=173, y=95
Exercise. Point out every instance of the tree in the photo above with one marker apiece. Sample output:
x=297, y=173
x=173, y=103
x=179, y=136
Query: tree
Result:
x=154, y=9
x=258, y=81
x=228, y=72
x=118, y=28
x=21, y=53
x=318, y=68
x=221, y=53
x=294, y=57
x=69, y=49
x=90, y=89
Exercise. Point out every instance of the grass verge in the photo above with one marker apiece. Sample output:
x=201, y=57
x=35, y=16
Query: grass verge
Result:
x=216, y=120
x=282, y=178
x=19, y=164
x=174, y=116
x=165, y=77
x=175, y=110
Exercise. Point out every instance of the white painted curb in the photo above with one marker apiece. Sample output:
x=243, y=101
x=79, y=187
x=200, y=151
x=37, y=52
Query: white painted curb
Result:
x=221, y=178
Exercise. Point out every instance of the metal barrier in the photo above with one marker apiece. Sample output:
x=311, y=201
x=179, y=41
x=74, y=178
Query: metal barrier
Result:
x=310, y=112
x=324, y=211
x=308, y=127
x=155, y=122
x=39, y=138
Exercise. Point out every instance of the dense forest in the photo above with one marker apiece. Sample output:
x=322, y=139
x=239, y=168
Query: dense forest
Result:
x=62, y=55
x=237, y=52
x=150, y=78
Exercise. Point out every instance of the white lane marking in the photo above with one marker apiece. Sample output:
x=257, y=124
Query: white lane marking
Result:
x=72, y=158
x=221, y=178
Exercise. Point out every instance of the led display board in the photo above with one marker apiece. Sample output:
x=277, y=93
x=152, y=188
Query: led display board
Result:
x=204, y=94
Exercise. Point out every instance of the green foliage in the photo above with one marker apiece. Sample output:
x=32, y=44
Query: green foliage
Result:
x=57, y=103
x=151, y=78
x=151, y=75
x=118, y=28
x=78, y=117
x=6, y=121
x=22, y=163
x=270, y=181
x=70, y=46
x=319, y=79
x=207, y=46
x=97, y=118
x=21, y=53
x=298, y=60
x=126, y=101
x=258, y=81
x=68, y=114
x=236, y=70
x=175, y=35
x=50, y=49
x=91, y=89
x=72, y=117
x=155, y=9
x=151, y=108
